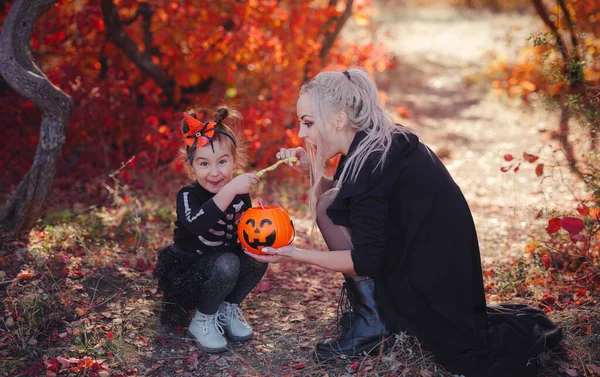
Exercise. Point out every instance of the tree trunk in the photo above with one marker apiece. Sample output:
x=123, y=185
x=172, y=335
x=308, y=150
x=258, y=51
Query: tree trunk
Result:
x=23, y=209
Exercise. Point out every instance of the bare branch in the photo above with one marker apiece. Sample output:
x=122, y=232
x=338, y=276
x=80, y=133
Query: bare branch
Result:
x=143, y=60
x=330, y=39
x=570, y=24
x=543, y=13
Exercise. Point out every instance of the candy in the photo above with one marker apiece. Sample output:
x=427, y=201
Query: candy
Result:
x=275, y=165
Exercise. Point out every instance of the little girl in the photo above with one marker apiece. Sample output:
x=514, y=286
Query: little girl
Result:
x=205, y=268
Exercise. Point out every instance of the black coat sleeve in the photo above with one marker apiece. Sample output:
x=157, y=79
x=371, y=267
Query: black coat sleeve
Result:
x=195, y=214
x=368, y=217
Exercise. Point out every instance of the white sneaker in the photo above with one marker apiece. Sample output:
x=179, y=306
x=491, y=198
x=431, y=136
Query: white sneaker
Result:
x=208, y=332
x=235, y=326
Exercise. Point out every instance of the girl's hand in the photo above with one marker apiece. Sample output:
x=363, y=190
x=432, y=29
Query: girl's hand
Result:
x=273, y=255
x=243, y=183
x=303, y=163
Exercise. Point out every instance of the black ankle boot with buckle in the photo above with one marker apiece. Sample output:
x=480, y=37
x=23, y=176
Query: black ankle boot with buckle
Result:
x=362, y=329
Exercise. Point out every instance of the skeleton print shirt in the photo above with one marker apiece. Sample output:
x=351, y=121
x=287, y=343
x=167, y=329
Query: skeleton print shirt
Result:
x=201, y=225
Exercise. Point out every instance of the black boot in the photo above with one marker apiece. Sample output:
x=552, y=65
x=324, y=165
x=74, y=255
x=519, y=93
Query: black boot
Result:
x=363, y=331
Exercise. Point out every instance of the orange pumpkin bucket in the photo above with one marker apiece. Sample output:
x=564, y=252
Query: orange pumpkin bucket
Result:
x=265, y=226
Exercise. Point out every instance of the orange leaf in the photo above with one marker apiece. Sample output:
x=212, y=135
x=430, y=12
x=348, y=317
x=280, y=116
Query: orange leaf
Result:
x=583, y=210
x=530, y=157
x=529, y=249
x=402, y=111
x=361, y=19
x=25, y=275
x=80, y=311
x=528, y=85
x=595, y=213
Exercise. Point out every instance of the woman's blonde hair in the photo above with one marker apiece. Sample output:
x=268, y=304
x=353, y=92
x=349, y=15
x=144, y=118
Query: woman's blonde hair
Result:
x=236, y=145
x=354, y=93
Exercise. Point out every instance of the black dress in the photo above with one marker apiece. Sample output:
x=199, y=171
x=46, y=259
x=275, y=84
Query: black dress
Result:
x=412, y=231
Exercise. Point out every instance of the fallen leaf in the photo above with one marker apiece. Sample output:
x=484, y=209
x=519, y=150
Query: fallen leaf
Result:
x=508, y=157
x=25, y=275
x=571, y=372
x=593, y=368
x=539, y=170
x=263, y=286
x=52, y=365
x=530, y=157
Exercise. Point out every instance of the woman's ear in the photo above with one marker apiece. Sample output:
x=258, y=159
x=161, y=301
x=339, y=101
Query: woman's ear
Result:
x=341, y=119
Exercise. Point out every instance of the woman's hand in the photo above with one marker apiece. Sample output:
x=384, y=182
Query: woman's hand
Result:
x=303, y=164
x=338, y=260
x=242, y=183
x=273, y=255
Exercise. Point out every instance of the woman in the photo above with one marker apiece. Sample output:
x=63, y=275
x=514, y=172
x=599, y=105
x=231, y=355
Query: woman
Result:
x=400, y=230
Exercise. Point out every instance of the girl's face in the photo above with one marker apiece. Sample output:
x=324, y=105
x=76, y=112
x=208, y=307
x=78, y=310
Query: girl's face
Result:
x=213, y=170
x=309, y=131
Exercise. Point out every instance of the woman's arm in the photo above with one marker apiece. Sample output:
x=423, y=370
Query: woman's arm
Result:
x=338, y=260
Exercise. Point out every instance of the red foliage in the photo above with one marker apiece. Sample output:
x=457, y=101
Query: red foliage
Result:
x=554, y=225
x=251, y=55
x=572, y=225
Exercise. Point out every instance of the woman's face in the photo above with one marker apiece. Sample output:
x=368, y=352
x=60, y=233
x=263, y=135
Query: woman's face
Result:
x=309, y=130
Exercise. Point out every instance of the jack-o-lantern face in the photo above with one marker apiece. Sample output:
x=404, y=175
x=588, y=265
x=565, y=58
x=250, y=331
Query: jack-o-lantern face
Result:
x=260, y=227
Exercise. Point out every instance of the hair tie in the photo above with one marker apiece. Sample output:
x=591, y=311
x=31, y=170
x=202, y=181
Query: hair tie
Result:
x=200, y=134
x=347, y=74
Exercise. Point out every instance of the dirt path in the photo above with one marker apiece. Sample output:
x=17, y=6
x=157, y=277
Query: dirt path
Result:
x=443, y=53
